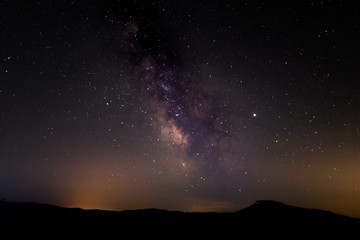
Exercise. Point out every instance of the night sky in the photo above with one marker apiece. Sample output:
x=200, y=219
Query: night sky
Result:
x=180, y=105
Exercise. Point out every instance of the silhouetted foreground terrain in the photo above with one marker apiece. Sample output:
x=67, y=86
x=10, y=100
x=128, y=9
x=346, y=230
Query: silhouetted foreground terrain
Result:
x=263, y=218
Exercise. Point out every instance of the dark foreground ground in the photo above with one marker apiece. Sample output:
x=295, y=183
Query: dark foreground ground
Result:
x=262, y=219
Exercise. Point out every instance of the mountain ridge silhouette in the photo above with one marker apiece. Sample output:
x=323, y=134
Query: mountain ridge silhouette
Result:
x=263, y=218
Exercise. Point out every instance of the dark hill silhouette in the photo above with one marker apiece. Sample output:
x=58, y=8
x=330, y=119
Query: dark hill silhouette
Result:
x=279, y=214
x=267, y=210
x=263, y=218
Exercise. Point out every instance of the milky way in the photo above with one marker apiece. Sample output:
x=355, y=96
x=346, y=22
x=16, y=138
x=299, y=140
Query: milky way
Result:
x=186, y=111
